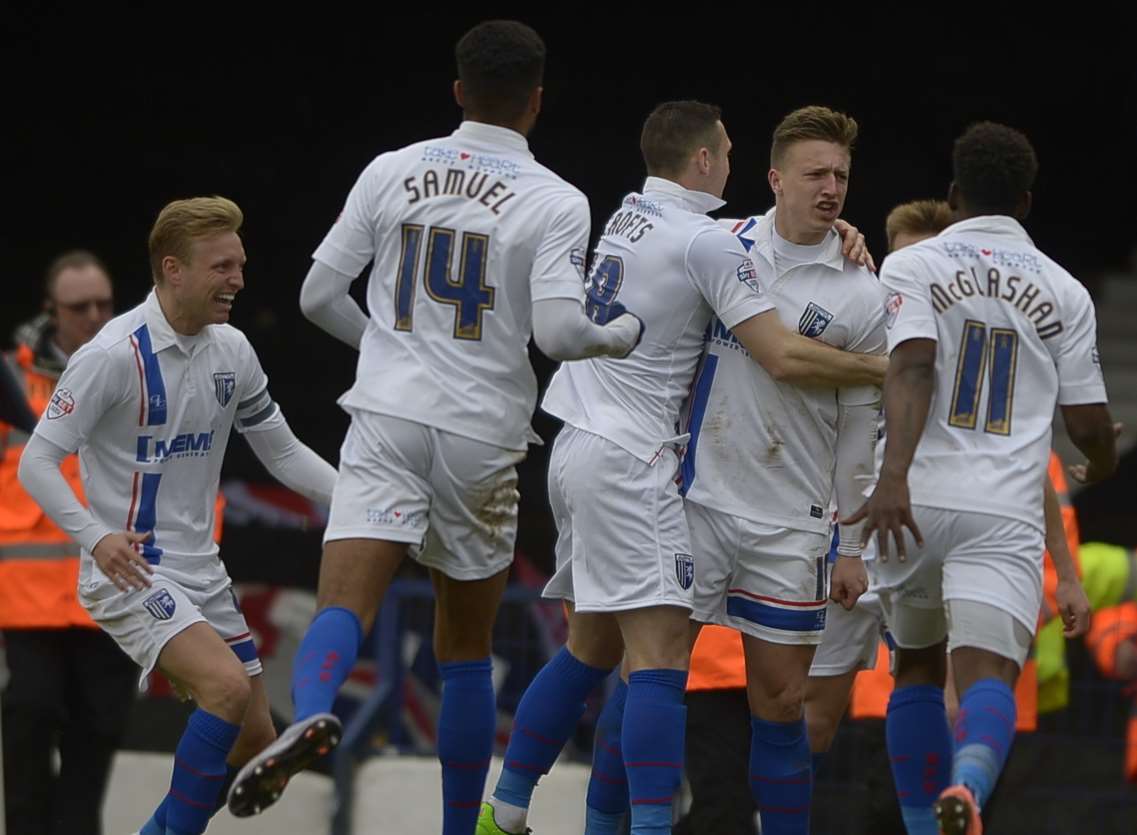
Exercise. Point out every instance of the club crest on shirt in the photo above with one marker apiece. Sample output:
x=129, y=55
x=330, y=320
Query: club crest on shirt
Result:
x=62, y=404
x=224, y=384
x=685, y=570
x=814, y=320
x=160, y=604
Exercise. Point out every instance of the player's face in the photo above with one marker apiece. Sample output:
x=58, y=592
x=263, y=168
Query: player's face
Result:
x=814, y=178
x=82, y=302
x=719, y=163
x=212, y=279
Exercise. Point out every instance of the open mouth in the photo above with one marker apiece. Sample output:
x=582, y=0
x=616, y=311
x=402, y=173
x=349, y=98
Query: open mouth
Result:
x=225, y=299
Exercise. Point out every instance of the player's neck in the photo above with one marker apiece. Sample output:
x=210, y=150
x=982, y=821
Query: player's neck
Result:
x=522, y=126
x=802, y=236
x=177, y=319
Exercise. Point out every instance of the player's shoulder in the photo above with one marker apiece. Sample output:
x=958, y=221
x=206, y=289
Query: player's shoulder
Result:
x=113, y=339
x=904, y=261
x=230, y=339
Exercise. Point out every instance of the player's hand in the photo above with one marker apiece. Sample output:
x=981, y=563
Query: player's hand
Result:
x=1074, y=608
x=848, y=581
x=853, y=244
x=121, y=563
x=630, y=329
x=1085, y=473
x=888, y=510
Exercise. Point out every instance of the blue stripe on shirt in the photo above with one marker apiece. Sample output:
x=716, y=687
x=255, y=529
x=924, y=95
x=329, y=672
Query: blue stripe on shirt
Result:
x=155, y=386
x=698, y=411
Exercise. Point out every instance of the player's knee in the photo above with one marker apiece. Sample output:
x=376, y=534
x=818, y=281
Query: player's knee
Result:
x=590, y=650
x=822, y=730
x=226, y=693
x=780, y=700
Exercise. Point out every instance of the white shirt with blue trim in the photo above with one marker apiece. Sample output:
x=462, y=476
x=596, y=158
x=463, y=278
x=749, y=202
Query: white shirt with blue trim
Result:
x=150, y=411
x=763, y=450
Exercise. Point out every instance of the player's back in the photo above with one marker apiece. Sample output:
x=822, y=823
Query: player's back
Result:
x=465, y=231
x=664, y=260
x=1015, y=335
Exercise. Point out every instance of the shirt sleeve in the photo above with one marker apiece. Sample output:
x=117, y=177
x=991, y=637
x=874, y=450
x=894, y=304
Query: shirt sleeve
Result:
x=1080, y=377
x=558, y=267
x=350, y=243
x=908, y=307
x=256, y=410
x=92, y=383
x=870, y=337
x=725, y=276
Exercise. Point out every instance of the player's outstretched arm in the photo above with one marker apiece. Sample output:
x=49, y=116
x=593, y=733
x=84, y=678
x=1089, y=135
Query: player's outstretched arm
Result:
x=1073, y=606
x=792, y=358
x=325, y=300
x=113, y=551
x=563, y=331
x=1092, y=430
x=293, y=463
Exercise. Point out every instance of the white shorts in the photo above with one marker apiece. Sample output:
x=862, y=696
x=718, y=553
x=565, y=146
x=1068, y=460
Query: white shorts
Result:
x=622, y=539
x=972, y=557
x=851, y=637
x=451, y=498
x=765, y=581
x=142, y=622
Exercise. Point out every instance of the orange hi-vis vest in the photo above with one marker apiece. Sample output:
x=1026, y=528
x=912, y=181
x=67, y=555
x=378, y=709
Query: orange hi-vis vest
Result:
x=1110, y=628
x=717, y=662
x=39, y=563
x=1057, y=474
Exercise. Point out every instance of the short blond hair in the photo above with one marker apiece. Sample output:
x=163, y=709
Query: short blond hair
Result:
x=919, y=217
x=813, y=122
x=181, y=222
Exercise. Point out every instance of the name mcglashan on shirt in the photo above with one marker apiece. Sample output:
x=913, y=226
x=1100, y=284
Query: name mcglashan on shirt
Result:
x=1026, y=299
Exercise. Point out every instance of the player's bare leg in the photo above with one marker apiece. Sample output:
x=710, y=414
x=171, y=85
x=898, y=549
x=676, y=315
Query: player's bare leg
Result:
x=354, y=577
x=781, y=770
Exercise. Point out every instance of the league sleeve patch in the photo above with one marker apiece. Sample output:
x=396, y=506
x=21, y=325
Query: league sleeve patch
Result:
x=62, y=404
x=577, y=259
x=892, y=309
x=748, y=275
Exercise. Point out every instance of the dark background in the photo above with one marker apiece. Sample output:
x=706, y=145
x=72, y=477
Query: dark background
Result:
x=109, y=115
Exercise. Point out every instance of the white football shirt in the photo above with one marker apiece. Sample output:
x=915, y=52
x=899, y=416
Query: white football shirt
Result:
x=150, y=411
x=764, y=450
x=465, y=232
x=1015, y=333
x=664, y=260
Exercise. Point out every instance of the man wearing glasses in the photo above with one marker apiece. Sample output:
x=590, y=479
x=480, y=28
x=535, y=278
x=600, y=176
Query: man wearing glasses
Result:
x=71, y=687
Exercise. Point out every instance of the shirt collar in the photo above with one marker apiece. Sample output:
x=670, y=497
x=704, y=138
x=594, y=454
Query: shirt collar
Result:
x=991, y=225
x=831, y=255
x=162, y=334
x=492, y=135
x=695, y=201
